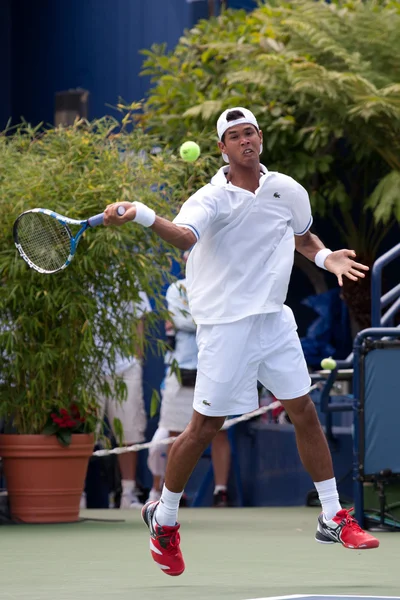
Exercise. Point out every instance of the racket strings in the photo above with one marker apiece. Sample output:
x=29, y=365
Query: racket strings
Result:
x=45, y=241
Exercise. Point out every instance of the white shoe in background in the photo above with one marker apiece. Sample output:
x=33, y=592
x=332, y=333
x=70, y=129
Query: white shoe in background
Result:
x=135, y=502
x=130, y=500
x=82, y=503
x=154, y=495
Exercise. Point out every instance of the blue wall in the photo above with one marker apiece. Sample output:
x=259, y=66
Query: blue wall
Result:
x=53, y=45
x=47, y=46
x=5, y=62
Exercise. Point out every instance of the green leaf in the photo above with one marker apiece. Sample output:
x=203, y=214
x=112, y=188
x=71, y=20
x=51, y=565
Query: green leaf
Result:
x=154, y=403
x=50, y=429
x=118, y=431
x=64, y=436
x=385, y=199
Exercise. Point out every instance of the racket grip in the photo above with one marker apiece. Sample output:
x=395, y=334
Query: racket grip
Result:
x=98, y=219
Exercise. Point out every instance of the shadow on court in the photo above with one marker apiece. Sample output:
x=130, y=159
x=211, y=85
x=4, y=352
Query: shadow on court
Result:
x=238, y=554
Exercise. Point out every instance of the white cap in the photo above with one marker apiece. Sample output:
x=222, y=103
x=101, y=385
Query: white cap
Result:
x=223, y=124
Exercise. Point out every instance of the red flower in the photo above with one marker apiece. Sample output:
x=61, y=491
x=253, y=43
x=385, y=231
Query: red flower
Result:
x=75, y=411
x=64, y=413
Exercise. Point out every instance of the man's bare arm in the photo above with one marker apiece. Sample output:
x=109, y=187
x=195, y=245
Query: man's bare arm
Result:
x=180, y=237
x=308, y=245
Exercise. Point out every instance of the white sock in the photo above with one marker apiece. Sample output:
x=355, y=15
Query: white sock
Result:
x=128, y=486
x=219, y=488
x=167, y=510
x=329, y=497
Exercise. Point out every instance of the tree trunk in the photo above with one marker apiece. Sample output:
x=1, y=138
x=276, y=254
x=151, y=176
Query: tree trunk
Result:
x=212, y=8
x=357, y=295
x=314, y=274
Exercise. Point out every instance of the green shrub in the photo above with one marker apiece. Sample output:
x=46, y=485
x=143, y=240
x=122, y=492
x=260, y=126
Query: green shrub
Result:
x=55, y=334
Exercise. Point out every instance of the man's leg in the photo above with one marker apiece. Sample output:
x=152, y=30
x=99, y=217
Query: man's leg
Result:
x=334, y=524
x=314, y=451
x=174, y=434
x=161, y=517
x=284, y=372
x=311, y=441
x=221, y=460
x=184, y=454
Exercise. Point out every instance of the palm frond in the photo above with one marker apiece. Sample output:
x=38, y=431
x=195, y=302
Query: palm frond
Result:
x=206, y=110
x=385, y=199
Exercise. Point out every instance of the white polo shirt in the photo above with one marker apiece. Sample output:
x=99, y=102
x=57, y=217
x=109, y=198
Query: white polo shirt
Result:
x=243, y=259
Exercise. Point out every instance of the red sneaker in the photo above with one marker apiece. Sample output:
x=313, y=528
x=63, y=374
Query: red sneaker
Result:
x=344, y=529
x=164, y=542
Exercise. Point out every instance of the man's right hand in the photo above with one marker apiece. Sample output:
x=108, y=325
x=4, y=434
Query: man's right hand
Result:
x=111, y=217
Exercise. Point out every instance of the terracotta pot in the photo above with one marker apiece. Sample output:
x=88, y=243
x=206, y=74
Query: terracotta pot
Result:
x=44, y=479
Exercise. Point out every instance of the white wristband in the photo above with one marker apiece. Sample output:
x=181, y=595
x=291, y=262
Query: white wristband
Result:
x=321, y=257
x=144, y=215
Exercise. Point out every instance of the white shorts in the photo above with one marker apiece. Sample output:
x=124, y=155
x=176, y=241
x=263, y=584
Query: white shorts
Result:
x=233, y=356
x=131, y=412
x=176, y=405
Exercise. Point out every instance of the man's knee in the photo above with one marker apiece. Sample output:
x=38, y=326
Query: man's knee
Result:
x=301, y=410
x=205, y=428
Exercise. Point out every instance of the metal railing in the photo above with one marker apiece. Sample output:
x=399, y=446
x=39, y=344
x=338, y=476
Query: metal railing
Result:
x=379, y=302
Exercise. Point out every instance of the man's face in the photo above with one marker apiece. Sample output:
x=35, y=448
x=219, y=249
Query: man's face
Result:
x=242, y=144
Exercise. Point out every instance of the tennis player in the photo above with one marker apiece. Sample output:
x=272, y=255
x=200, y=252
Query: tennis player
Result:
x=245, y=226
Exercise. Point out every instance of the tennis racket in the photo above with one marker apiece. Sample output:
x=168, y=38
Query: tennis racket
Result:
x=45, y=241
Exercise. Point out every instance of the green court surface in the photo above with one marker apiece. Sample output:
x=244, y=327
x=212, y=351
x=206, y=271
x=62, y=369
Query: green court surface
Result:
x=232, y=553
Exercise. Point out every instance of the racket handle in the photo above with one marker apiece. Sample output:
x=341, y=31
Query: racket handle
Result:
x=98, y=219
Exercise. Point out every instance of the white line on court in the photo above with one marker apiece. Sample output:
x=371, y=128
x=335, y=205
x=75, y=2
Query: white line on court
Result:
x=316, y=596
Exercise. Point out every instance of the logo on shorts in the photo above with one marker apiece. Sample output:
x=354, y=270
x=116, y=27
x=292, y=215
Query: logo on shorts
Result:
x=276, y=195
x=206, y=403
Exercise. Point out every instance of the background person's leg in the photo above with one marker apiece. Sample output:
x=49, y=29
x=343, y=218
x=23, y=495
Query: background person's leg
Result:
x=132, y=416
x=221, y=461
x=128, y=466
x=157, y=462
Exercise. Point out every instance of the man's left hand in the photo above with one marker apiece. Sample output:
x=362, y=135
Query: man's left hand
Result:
x=341, y=263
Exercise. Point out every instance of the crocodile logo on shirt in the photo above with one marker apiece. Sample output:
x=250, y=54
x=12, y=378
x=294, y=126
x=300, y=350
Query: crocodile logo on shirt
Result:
x=206, y=403
x=276, y=195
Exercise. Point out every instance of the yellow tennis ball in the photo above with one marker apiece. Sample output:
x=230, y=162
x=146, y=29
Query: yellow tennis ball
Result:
x=189, y=151
x=328, y=364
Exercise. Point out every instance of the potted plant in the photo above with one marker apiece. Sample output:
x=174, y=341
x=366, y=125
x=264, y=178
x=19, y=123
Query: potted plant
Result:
x=56, y=333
